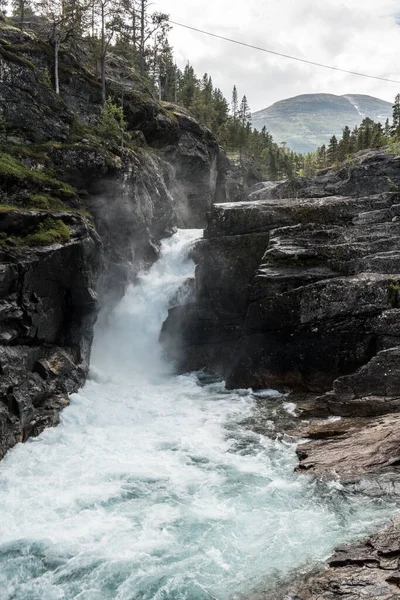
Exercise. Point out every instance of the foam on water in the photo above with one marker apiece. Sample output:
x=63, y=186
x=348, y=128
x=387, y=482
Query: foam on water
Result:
x=152, y=487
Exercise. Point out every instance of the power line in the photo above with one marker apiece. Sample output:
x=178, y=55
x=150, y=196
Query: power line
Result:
x=303, y=60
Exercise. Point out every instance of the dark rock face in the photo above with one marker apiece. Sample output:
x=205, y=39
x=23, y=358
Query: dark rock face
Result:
x=129, y=198
x=294, y=293
x=31, y=109
x=47, y=312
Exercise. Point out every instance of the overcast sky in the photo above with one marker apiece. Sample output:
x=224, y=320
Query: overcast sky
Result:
x=358, y=35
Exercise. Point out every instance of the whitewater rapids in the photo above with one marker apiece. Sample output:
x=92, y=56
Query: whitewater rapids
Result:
x=153, y=487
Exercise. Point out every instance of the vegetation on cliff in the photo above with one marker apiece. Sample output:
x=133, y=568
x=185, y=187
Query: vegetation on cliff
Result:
x=123, y=48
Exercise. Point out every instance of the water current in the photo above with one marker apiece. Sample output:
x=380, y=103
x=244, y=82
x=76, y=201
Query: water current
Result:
x=153, y=487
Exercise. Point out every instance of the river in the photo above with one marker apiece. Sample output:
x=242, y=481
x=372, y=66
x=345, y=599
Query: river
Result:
x=154, y=487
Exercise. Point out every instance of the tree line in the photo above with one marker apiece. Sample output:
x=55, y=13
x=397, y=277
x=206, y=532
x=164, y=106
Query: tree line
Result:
x=125, y=27
x=128, y=28
x=367, y=135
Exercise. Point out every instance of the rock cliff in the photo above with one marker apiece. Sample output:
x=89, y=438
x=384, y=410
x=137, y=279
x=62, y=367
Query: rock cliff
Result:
x=80, y=215
x=297, y=292
x=47, y=311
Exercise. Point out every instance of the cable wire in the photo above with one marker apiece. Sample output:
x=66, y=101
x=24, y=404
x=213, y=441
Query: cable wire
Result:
x=303, y=60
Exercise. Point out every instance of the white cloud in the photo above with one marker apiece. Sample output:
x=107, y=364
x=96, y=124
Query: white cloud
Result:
x=359, y=35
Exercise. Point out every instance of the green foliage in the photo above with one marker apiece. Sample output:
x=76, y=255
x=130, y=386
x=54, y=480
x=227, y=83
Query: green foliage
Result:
x=49, y=232
x=396, y=118
x=112, y=124
x=392, y=186
x=6, y=207
x=44, y=202
x=13, y=170
x=393, y=292
x=46, y=78
x=78, y=130
x=369, y=135
x=393, y=146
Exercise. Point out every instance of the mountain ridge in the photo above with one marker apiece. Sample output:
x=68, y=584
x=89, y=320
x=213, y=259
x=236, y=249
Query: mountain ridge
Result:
x=307, y=121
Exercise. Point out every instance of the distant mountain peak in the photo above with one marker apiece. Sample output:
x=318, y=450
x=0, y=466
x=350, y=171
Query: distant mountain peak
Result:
x=307, y=121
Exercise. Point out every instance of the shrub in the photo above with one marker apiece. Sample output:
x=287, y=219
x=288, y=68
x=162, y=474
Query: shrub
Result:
x=112, y=124
x=12, y=169
x=43, y=202
x=49, y=232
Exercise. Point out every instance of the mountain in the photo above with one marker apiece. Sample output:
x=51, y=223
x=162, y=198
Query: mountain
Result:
x=308, y=121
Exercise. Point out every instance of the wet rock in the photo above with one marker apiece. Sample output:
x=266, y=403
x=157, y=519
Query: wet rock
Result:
x=365, y=570
x=353, y=448
x=48, y=306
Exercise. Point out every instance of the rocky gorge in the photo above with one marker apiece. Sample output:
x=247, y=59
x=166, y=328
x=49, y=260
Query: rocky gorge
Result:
x=296, y=288
x=80, y=216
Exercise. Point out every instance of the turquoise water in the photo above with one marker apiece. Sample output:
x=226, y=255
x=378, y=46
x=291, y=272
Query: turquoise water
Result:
x=152, y=487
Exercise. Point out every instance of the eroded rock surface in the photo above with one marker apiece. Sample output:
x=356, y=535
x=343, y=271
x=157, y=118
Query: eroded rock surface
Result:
x=353, y=448
x=295, y=294
x=365, y=570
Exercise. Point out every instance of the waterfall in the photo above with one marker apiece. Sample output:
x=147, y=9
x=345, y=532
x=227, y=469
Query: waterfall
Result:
x=154, y=487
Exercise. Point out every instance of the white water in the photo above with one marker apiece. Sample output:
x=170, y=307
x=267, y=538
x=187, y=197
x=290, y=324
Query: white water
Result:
x=152, y=488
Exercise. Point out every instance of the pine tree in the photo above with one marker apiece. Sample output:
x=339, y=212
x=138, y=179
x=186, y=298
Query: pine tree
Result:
x=235, y=103
x=21, y=8
x=221, y=110
x=378, y=136
x=244, y=114
x=112, y=124
x=321, y=157
x=332, y=150
x=396, y=118
x=387, y=129
x=365, y=134
x=207, y=96
x=189, y=83
x=198, y=107
x=343, y=148
x=244, y=119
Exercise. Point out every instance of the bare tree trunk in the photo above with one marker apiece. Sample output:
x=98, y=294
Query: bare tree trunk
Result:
x=142, y=31
x=103, y=56
x=22, y=16
x=134, y=41
x=92, y=18
x=56, y=74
